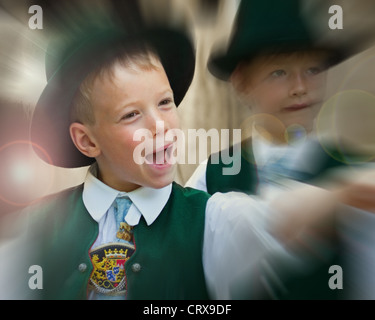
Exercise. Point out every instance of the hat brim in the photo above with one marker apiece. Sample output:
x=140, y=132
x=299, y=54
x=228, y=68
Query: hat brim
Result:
x=222, y=64
x=51, y=118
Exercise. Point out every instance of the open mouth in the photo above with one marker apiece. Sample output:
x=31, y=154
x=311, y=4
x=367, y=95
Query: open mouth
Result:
x=161, y=157
x=296, y=107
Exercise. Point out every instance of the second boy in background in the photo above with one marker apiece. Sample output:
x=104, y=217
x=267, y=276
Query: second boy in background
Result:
x=277, y=68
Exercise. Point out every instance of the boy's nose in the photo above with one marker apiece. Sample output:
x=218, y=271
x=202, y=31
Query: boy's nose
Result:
x=157, y=124
x=298, y=86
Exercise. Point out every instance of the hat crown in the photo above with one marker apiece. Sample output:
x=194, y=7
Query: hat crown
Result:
x=90, y=42
x=260, y=24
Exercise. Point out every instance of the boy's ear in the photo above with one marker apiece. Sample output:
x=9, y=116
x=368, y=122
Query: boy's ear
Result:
x=83, y=140
x=239, y=82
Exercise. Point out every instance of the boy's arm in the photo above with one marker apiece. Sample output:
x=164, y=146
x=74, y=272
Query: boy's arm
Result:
x=236, y=238
x=242, y=230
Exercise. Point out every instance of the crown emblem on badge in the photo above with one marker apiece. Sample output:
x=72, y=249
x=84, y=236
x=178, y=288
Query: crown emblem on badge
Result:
x=116, y=254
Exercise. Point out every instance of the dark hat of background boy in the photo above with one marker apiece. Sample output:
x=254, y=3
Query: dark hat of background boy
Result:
x=268, y=26
x=71, y=58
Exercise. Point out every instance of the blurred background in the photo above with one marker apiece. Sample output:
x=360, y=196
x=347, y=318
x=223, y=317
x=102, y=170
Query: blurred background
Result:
x=210, y=103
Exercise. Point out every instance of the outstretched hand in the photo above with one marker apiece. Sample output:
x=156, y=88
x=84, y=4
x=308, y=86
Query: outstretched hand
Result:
x=308, y=209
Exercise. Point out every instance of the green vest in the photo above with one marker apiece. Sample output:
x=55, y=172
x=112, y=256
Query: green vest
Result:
x=169, y=251
x=247, y=178
x=245, y=181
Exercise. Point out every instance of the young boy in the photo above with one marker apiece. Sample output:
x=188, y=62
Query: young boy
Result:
x=105, y=86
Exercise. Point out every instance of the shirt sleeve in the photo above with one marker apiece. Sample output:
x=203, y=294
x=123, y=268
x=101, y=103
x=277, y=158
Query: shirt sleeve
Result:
x=198, y=178
x=236, y=240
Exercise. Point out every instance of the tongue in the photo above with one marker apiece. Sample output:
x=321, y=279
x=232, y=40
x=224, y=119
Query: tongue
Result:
x=156, y=157
x=159, y=157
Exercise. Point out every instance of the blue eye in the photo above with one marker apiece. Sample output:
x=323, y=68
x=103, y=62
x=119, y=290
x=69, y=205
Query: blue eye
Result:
x=314, y=70
x=278, y=73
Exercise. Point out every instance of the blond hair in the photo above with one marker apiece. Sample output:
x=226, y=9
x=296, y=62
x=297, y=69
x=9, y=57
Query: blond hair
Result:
x=144, y=59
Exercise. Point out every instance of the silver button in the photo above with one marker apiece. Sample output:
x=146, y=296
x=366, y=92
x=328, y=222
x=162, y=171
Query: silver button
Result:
x=136, y=267
x=82, y=267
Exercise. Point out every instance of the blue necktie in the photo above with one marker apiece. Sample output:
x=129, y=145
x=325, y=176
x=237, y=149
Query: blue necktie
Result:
x=121, y=208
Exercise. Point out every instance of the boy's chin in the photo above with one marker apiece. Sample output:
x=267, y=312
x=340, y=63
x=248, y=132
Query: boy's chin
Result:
x=162, y=182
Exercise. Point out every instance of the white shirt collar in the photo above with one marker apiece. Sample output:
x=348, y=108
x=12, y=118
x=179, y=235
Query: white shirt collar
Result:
x=147, y=202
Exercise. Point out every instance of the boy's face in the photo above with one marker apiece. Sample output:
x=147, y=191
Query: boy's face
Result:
x=290, y=87
x=133, y=99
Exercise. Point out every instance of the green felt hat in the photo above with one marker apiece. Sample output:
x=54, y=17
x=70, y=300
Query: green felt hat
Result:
x=71, y=58
x=267, y=26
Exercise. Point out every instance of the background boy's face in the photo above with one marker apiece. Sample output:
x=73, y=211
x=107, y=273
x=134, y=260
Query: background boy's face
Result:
x=290, y=87
x=133, y=99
